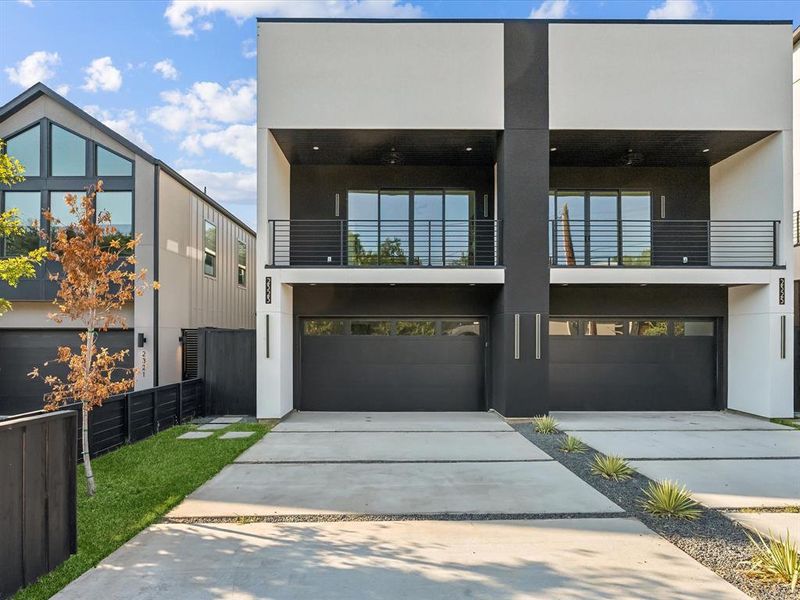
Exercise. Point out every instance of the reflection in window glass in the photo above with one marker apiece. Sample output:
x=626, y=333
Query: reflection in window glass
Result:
x=59, y=210
x=416, y=328
x=119, y=205
x=210, y=249
x=25, y=148
x=636, y=234
x=458, y=210
x=603, y=229
x=570, y=228
x=461, y=328
x=563, y=327
x=323, y=327
x=694, y=328
x=362, y=229
x=604, y=328
x=393, y=215
x=111, y=164
x=370, y=328
x=28, y=206
x=241, y=260
x=428, y=211
x=647, y=328
x=67, y=153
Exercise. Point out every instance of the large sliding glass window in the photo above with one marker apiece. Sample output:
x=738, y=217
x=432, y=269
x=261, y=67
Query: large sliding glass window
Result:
x=600, y=227
x=28, y=207
x=420, y=227
x=25, y=148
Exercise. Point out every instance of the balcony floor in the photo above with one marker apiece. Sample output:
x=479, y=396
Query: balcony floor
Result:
x=661, y=275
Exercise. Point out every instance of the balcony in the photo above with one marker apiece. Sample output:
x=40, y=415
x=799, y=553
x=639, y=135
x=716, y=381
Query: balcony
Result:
x=385, y=243
x=663, y=243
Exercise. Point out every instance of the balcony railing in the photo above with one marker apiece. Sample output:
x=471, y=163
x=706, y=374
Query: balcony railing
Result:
x=662, y=243
x=796, y=228
x=385, y=243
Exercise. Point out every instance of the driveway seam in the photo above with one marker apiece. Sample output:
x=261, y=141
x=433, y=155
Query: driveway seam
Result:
x=273, y=432
x=384, y=462
x=692, y=458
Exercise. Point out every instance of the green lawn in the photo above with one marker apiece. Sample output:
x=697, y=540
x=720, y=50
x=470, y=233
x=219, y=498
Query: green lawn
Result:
x=136, y=486
x=788, y=422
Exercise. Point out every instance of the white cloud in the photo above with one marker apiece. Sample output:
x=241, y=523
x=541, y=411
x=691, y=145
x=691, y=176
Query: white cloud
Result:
x=206, y=105
x=166, y=69
x=101, y=74
x=36, y=67
x=550, y=9
x=62, y=89
x=28, y=3
x=124, y=122
x=226, y=187
x=249, y=48
x=237, y=141
x=675, y=9
x=184, y=16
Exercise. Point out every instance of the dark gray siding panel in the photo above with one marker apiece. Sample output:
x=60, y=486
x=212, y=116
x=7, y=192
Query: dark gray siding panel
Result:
x=23, y=349
x=648, y=301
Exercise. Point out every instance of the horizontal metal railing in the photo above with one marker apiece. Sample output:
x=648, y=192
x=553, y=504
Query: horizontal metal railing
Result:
x=641, y=243
x=370, y=243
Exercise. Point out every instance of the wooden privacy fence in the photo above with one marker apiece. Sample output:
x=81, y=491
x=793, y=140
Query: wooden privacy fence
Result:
x=226, y=362
x=37, y=496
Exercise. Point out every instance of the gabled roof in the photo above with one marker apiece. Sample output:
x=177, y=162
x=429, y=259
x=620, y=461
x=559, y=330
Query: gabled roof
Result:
x=40, y=89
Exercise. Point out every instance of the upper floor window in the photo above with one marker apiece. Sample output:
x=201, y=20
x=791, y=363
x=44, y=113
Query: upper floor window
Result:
x=67, y=153
x=62, y=217
x=25, y=148
x=209, y=249
x=119, y=205
x=241, y=261
x=28, y=207
x=110, y=164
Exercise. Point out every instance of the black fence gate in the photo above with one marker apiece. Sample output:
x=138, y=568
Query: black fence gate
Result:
x=226, y=362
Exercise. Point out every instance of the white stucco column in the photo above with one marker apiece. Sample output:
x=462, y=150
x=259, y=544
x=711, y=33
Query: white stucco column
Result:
x=274, y=331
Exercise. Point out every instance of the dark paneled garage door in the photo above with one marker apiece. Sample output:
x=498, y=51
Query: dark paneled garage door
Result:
x=23, y=349
x=392, y=364
x=633, y=364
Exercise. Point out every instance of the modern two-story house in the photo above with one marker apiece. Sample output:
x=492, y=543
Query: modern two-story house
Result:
x=199, y=252
x=524, y=216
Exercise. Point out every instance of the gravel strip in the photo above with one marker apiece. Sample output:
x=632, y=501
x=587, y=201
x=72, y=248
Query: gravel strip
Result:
x=713, y=540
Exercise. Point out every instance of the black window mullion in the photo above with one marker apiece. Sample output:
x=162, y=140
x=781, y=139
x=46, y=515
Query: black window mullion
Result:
x=587, y=225
x=619, y=228
x=411, y=227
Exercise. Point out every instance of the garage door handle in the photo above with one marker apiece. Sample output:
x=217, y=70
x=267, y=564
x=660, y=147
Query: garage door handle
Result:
x=538, y=336
x=516, y=336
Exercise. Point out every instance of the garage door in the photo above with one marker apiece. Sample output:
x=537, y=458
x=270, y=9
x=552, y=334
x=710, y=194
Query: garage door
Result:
x=23, y=349
x=633, y=364
x=392, y=364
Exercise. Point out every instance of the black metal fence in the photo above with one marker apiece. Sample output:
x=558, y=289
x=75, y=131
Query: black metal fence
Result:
x=385, y=243
x=672, y=243
x=37, y=496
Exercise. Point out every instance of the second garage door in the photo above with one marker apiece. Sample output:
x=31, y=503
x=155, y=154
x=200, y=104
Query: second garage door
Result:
x=633, y=364
x=392, y=364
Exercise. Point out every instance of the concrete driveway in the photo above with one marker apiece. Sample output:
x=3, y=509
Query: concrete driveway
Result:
x=398, y=505
x=729, y=461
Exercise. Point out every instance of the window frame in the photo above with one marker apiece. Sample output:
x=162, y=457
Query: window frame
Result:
x=43, y=126
x=96, y=148
x=207, y=252
x=241, y=268
x=3, y=203
x=89, y=165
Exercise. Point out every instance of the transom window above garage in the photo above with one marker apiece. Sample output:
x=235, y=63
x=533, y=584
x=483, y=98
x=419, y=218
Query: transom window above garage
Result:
x=639, y=327
x=406, y=326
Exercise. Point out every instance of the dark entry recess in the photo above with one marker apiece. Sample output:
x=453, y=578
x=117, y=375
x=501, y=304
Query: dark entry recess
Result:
x=392, y=364
x=633, y=364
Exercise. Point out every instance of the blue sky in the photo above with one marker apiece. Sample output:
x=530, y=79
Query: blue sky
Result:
x=178, y=77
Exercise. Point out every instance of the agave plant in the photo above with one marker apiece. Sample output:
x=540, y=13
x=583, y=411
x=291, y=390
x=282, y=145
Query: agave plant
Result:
x=545, y=424
x=570, y=444
x=775, y=559
x=669, y=499
x=611, y=467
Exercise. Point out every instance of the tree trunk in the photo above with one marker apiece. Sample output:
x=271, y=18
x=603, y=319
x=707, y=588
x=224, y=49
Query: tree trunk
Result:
x=87, y=463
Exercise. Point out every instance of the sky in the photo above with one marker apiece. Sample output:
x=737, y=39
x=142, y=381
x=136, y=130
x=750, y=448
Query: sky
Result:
x=177, y=77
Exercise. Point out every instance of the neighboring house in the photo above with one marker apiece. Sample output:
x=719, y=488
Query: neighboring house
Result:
x=203, y=260
x=524, y=216
x=796, y=214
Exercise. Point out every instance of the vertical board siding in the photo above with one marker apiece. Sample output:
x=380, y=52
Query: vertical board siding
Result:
x=37, y=499
x=226, y=365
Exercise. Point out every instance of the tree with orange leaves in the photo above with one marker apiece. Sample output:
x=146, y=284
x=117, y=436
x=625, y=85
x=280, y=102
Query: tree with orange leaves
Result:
x=98, y=278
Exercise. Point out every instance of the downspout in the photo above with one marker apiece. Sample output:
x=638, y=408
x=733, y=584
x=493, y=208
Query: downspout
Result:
x=156, y=250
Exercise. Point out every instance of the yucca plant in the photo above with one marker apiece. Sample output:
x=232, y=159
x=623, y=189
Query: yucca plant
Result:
x=611, y=467
x=545, y=424
x=775, y=559
x=669, y=499
x=570, y=444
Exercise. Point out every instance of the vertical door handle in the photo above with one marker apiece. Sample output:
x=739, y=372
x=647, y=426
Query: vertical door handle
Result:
x=538, y=336
x=336, y=206
x=783, y=336
x=267, y=335
x=516, y=336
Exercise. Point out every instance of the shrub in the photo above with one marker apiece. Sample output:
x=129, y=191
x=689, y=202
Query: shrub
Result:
x=668, y=499
x=611, y=467
x=775, y=559
x=545, y=424
x=572, y=444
